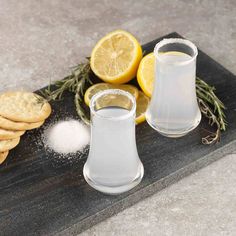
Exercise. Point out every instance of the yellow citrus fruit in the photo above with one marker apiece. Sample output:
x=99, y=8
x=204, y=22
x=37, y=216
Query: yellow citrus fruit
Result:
x=145, y=74
x=116, y=57
x=142, y=104
x=103, y=86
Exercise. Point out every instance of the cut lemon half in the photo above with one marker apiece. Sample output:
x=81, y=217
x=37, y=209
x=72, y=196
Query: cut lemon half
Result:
x=145, y=74
x=116, y=57
x=142, y=104
x=103, y=86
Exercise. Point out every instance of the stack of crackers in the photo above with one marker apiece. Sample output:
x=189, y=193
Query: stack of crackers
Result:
x=19, y=112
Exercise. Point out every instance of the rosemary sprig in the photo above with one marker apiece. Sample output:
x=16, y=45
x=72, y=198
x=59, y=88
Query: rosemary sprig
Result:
x=212, y=108
x=76, y=83
x=79, y=94
x=79, y=108
x=40, y=100
x=210, y=105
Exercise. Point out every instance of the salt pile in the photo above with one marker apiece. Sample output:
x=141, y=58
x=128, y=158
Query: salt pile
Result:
x=67, y=137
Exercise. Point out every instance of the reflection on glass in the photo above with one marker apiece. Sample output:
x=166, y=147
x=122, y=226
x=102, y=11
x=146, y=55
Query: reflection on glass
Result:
x=113, y=165
x=173, y=110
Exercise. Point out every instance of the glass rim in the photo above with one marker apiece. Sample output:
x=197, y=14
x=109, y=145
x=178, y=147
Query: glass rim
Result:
x=96, y=96
x=180, y=41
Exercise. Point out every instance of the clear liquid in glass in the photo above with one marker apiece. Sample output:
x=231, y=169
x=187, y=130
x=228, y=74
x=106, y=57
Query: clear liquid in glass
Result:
x=113, y=165
x=173, y=110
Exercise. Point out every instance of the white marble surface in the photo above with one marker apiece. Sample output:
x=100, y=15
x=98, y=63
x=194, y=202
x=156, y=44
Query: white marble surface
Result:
x=40, y=40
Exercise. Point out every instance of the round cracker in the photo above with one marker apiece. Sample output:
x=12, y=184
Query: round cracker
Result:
x=24, y=107
x=6, y=145
x=14, y=125
x=3, y=156
x=10, y=134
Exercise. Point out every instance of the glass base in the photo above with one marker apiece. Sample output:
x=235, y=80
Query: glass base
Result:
x=117, y=189
x=175, y=133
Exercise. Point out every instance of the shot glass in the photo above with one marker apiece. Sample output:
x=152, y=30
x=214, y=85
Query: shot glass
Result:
x=113, y=165
x=173, y=110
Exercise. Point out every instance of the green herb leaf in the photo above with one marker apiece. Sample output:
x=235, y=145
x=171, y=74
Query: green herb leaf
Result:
x=212, y=108
x=210, y=105
x=76, y=83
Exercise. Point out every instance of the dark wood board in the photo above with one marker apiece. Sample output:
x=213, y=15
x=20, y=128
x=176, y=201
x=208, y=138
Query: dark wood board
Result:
x=42, y=195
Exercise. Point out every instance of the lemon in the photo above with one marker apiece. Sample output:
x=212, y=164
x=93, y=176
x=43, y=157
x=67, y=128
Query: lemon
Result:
x=145, y=74
x=116, y=57
x=142, y=104
x=103, y=86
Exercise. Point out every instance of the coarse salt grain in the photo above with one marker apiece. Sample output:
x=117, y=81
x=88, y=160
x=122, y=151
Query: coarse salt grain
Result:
x=67, y=137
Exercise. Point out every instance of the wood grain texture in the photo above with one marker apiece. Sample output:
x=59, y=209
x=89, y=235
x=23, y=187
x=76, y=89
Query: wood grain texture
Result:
x=40, y=195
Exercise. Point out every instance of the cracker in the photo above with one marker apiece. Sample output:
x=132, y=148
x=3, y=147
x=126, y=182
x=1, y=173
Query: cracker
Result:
x=10, y=134
x=24, y=107
x=6, y=145
x=14, y=125
x=3, y=156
